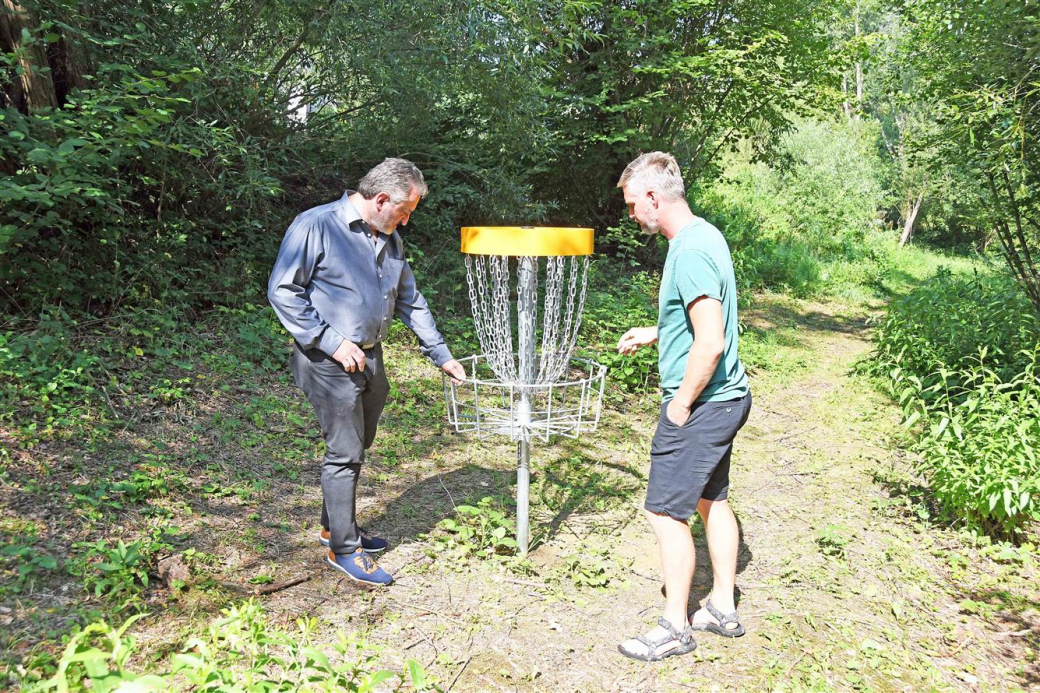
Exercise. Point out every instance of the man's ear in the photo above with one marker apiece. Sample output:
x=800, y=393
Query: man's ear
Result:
x=652, y=196
x=381, y=199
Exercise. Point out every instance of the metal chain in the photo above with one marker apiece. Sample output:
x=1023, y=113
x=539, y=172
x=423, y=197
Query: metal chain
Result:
x=490, y=289
x=502, y=327
x=494, y=335
x=550, y=328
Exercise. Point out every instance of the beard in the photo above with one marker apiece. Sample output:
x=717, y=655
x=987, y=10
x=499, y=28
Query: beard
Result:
x=381, y=224
x=649, y=226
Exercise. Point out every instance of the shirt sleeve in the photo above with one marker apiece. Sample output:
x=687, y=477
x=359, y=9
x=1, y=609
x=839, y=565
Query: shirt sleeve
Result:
x=288, y=288
x=414, y=312
x=696, y=276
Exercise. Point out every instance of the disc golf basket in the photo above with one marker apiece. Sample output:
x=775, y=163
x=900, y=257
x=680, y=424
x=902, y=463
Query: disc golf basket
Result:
x=526, y=383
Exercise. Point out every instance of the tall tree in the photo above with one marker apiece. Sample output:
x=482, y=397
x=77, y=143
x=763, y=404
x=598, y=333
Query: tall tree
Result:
x=689, y=76
x=980, y=64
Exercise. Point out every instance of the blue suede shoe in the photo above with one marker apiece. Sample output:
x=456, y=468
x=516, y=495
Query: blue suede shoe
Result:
x=368, y=543
x=360, y=567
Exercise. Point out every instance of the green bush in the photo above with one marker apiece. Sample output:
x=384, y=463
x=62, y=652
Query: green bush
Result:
x=961, y=357
x=239, y=651
x=610, y=312
x=803, y=223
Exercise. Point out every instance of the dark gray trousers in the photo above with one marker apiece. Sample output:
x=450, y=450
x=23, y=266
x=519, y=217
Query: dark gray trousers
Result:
x=348, y=406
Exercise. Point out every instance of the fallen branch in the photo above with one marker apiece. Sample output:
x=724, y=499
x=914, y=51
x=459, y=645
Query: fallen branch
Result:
x=459, y=673
x=1016, y=633
x=279, y=586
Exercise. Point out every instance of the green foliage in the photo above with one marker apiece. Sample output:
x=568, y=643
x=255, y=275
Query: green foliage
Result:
x=808, y=222
x=688, y=77
x=832, y=540
x=976, y=64
x=790, y=219
x=609, y=313
x=239, y=651
x=120, y=571
x=28, y=562
x=483, y=530
x=967, y=376
x=194, y=137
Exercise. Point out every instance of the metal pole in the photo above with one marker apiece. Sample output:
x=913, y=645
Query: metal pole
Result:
x=527, y=318
x=523, y=484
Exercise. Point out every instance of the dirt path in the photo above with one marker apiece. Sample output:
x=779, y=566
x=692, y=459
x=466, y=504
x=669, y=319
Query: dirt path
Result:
x=839, y=587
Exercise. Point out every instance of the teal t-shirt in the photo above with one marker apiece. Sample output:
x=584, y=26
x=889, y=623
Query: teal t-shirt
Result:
x=698, y=264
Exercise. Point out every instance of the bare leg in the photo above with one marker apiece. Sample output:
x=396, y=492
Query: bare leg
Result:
x=677, y=564
x=720, y=527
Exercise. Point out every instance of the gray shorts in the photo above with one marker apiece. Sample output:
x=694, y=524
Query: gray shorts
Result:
x=691, y=462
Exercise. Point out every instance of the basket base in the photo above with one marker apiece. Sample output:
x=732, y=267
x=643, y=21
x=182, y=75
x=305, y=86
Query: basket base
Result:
x=487, y=406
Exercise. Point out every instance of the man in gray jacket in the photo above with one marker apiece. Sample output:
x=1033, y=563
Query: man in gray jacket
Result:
x=340, y=277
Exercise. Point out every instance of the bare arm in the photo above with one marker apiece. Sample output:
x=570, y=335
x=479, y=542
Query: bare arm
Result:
x=709, y=342
x=635, y=338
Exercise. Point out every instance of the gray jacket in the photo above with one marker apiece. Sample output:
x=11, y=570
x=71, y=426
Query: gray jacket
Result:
x=332, y=282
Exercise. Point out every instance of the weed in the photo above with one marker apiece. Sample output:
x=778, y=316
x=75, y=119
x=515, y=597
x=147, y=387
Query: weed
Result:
x=482, y=530
x=592, y=567
x=27, y=561
x=118, y=571
x=832, y=541
x=239, y=651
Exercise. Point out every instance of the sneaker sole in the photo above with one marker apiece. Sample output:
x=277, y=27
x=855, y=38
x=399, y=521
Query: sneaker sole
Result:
x=367, y=583
x=326, y=545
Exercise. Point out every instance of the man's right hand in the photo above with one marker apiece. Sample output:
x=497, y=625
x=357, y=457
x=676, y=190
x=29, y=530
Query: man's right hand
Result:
x=350, y=356
x=635, y=338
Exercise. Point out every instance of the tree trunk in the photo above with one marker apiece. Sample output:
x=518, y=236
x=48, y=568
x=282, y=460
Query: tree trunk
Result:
x=845, y=93
x=67, y=68
x=859, y=72
x=911, y=216
x=33, y=88
x=1017, y=255
x=985, y=243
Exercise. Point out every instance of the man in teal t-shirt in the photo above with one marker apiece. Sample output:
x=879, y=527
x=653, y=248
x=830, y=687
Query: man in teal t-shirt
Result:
x=698, y=265
x=706, y=401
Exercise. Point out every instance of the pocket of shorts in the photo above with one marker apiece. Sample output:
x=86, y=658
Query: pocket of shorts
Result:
x=671, y=424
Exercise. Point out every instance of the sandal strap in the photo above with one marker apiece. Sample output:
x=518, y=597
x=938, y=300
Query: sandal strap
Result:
x=683, y=638
x=723, y=619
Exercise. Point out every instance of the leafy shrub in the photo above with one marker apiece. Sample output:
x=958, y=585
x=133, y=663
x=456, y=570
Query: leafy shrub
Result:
x=239, y=651
x=117, y=571
x=982, y=452
x=961, y=356
x=609, y=313
x=483, y=530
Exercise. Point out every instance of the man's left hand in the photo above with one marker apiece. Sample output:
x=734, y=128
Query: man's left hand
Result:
x=677, y=413
x=455, y=370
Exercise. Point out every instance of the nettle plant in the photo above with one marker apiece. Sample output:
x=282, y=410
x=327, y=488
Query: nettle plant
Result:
x=238, y=651
x=482, y=530
x=966, y=378
x=981, y=451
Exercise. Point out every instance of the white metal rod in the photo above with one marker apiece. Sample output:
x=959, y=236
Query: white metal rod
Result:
x=527, y=320
x=523, y=484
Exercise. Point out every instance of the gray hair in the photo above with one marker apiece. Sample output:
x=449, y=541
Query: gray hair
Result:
x=395, y=177
x=657, y=171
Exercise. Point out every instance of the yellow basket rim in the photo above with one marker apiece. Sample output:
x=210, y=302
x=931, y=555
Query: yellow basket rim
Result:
x=527, y=241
